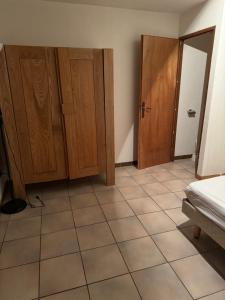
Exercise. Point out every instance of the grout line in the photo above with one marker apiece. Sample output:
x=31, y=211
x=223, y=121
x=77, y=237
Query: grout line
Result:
x=215, y=293
x=122, y=255
x=3, y=240
x=39, y=264
x=67, y=290
x=116, y=243
x=82, y=262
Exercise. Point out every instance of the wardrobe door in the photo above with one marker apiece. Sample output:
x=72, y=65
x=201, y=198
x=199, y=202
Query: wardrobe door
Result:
x=81, y=74
x=37, y=108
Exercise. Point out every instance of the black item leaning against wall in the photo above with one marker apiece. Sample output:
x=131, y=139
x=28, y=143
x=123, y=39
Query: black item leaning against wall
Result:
x=14, y=205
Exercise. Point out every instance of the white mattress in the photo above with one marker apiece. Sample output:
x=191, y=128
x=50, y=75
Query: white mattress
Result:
x=208, y=196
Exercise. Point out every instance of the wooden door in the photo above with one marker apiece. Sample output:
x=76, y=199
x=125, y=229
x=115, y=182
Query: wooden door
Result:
x=33, y=80
x=157, y=100
x=81, y=74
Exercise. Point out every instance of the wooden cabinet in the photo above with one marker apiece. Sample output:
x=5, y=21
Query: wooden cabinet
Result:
x=35, y=95
x=63, y=112
x=81, y=75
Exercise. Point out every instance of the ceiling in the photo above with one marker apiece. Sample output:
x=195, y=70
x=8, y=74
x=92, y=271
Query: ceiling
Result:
x=176, y=6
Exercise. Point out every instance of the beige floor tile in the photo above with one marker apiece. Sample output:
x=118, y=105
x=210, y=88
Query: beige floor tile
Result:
x=20, y=283
x=160, y=283
x=103, y=263
x=83, y=200
x=187, y=163
x=109, y=196
x=76, y=294
x=121, y=287
x=99, y=184
x=55, y=205
x=4, y=218
x=217, y=296
x=88, y=216
x=178, y=217
x=190, y=180
x=18, y=229
x=155, y=169
x=61, y=273
x=175, y=185
x=57, y=222
x=19, y=252
x=3, y=227
x=117, y=210
x=181, y=195
x=58, y=243
x=163, y=176
x=191, y=170
x=155, y=189
x=125, y=181
x=143, y=205
x=167, y=201
x=79, y=187
x=132, y=170
x=141, y=253
x=182, y=174
x=198, y=276
x=173, y=165
x=132, y=192
x=27, y=213
x=93, y=236
x=121, y=172
x=157, y=222
x=127, y=229
x=203, y=244
x=54, y=190
x=144, y=179
x=174, y=245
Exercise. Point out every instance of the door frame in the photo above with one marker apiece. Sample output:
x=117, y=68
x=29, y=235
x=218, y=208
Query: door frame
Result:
x=182, y=39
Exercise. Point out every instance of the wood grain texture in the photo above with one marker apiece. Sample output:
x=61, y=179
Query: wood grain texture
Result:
x=35, y=95
x=81, y=74
x=11, y=131
x=158, y=87
x=109, y=116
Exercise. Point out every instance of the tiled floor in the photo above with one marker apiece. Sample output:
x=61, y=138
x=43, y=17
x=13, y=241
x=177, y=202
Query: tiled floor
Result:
x=126, y=242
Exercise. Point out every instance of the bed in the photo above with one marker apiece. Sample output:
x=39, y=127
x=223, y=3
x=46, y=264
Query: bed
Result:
x=205, y=206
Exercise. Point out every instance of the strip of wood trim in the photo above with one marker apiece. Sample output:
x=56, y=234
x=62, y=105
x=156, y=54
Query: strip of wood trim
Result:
x=126, y=164
x=6, y=107
x=183, y=156
x=109, y=115
x=208, y=176
x=200, y=32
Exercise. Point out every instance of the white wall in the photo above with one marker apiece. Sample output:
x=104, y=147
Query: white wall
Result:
x=212, y=153
x=56, y=24
x=191, y=90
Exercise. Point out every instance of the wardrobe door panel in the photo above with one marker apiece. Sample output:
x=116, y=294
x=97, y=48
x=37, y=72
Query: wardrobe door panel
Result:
x=81, y=73
x=36, y=101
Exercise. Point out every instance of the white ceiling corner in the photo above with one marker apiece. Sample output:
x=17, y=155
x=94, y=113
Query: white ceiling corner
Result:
x=172, y=6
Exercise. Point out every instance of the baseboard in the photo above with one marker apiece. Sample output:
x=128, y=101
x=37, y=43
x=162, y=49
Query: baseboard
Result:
x=126, y=164
x=208, y=177
x=183, y=156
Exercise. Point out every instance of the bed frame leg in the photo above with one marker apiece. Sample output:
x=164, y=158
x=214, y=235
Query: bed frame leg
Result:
x=196, y=232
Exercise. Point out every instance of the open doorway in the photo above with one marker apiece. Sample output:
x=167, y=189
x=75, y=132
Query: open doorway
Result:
x=194, y=71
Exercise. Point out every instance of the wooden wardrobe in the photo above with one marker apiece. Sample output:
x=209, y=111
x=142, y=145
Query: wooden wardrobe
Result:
x=57, y=107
